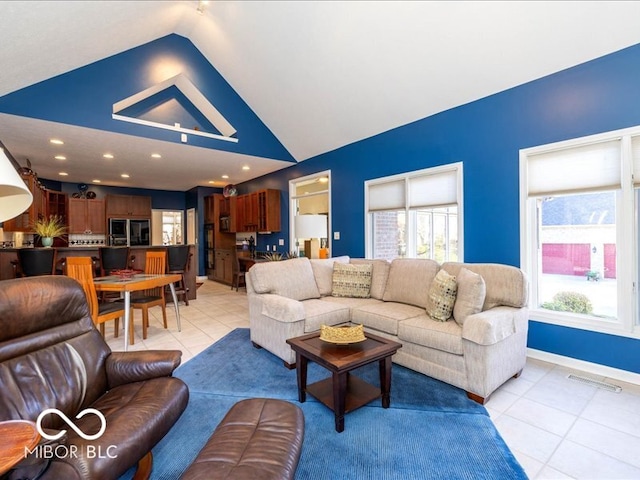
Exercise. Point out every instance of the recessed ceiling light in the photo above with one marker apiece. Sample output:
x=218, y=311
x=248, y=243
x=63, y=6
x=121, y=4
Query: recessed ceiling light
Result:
x=125, y=175
x=156, y=155
x=225, y=176
x=55, y=141
x=246, y=167
x=96, y=180
x=60, y=157
x=63, y=174
x=212, y=181
x=108, y=155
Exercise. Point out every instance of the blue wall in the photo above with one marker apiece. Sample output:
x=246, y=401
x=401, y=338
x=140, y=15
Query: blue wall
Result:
x=486, y=135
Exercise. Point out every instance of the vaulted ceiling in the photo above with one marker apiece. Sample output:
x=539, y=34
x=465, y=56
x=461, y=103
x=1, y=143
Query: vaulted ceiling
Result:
x=306, y=77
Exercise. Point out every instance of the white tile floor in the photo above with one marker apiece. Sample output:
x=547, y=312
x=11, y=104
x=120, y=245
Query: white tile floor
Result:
x=556, y=427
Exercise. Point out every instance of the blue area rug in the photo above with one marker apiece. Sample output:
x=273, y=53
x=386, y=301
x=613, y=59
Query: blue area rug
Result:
x=431, y=431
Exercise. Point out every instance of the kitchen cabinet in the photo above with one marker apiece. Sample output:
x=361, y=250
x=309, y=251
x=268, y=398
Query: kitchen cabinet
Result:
x=87, y=216
x=256, y=212
x=128, y=206
x=224, y=260
x=37, y=210
x=209, y=209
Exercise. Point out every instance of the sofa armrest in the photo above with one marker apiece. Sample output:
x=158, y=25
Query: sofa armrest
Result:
x=490, y=326
x=129, y=367
x=281, y=308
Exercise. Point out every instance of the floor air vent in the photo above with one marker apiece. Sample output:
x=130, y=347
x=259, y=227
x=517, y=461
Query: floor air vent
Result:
x=595, y=383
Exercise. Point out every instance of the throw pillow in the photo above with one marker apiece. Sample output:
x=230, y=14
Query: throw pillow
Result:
x=471, y=293
x=442, y=296
x=351, y=280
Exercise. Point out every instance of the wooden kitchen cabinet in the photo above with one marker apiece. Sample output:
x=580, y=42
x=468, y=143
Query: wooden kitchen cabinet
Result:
x=268, y=210
x=87, y=216
x=256, y=212
x=128, y=206
x=223, y=271
x=209, y=209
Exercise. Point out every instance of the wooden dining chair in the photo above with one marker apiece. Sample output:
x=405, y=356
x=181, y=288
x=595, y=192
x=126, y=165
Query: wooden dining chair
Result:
x=155, y=263
x=81, y=269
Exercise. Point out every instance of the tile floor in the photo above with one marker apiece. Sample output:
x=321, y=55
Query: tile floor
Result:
x=556, y=427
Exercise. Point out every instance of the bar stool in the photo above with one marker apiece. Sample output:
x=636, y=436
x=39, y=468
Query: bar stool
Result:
x=33, y=262
x=178, y=259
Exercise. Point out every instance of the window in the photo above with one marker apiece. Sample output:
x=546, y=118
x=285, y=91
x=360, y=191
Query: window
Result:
x=416, y=215
x=167, y=227
x=579, y=238
x=310, y=195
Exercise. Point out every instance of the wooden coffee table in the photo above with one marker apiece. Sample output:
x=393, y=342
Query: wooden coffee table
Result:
x=343, y=392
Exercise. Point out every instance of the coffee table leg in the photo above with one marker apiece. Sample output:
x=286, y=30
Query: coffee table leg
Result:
x=385, y=381
x=301, y=371
x=339, y=398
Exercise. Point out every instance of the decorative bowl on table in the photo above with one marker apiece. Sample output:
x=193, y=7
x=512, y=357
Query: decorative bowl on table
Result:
x=124, y=274
x=342, y=335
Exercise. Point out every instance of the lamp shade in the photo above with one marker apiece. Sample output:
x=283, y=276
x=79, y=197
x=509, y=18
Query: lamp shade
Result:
x=311, y=226
x=15, y=197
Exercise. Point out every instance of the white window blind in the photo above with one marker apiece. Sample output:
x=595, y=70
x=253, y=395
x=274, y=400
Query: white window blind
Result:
x=387, y=196
x=585, y=168
x=433, y=190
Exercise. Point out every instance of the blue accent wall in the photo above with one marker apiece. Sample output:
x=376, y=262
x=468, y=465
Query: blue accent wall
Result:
x=486, y=135
x=85, y=97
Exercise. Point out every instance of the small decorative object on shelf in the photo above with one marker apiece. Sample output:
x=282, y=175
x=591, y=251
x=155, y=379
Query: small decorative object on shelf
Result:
x=230, y=191
x=342, y=335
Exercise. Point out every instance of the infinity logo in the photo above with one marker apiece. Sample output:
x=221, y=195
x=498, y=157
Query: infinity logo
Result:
x=71, y=424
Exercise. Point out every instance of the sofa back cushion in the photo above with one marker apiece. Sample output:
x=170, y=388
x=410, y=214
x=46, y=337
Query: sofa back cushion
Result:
x=291, y=278
x=351, y=280
x=505, y=285
x=323, y=272
x=410, y=280
x=51, y=355
x=379, y=275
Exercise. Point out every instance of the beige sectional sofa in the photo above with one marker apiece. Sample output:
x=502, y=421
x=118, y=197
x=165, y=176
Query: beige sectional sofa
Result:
x=478, y=343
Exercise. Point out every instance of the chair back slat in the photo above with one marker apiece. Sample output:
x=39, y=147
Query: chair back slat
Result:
x=81, y=269
x=155, y=263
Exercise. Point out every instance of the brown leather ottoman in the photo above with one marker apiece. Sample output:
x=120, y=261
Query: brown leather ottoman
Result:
x=259, y=438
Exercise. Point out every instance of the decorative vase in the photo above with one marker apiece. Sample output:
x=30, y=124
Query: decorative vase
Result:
x=47, y=241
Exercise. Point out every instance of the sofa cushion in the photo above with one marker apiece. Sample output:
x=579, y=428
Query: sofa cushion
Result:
x=319, y=312
x=351, y=280
x=352, y=302
x=379, y=275
x=323, y=272
x=470, y=297
x=291, y=278
x=385, y=316
x=506, y=285
x=409, y=281
x=442, y=296
x=423, y=330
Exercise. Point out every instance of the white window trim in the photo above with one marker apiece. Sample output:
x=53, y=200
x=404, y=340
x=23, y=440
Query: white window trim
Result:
x=457, y=167
x=626, y=243
x=292, y=206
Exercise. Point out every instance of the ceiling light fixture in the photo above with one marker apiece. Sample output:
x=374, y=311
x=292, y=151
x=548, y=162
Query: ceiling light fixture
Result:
x=96, y=181
x=55, y=141
x=156, y=155
x=60, y=157
x=246, y=167
x=225, y=176
x=125, y=175
x=63, y=174
x=15, y=197
x=201, y=5
x=108, y=155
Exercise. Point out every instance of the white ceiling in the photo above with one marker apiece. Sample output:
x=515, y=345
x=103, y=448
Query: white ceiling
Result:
x=319, y=74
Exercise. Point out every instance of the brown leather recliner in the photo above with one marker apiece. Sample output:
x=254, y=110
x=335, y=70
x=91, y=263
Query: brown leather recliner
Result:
x=52, y=356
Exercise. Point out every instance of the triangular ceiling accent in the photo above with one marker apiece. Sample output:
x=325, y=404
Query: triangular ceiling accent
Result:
x=189, y=90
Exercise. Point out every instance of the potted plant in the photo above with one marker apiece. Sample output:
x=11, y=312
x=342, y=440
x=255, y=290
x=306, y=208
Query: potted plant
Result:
x=49, y=228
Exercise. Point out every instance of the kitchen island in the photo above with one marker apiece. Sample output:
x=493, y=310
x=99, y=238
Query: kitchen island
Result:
x=7, y=255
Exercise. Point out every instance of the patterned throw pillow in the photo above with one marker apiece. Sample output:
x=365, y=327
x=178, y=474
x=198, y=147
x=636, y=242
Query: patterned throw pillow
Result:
x=471, y=293
x=442, y=296
x=351, y=280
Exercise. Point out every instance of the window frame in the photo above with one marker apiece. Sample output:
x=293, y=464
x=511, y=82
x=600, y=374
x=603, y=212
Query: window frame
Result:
x=627, y=271
x=456, y=168
x=294, y=196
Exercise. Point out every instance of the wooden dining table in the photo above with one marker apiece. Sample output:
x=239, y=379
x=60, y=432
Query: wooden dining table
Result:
x=140, y=281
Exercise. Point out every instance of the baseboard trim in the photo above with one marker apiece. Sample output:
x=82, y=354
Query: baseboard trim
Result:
x=588, y=367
